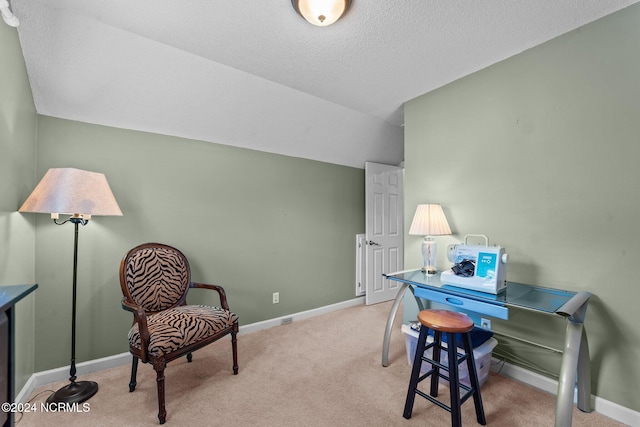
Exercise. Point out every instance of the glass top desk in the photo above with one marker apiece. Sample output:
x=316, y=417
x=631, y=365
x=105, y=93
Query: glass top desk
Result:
x=571, y=305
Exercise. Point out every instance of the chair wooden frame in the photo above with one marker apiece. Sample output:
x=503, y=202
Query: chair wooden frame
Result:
x=140, y=316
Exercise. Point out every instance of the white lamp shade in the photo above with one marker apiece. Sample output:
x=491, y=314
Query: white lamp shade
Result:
x=429, y=220
x=321, y=12
x=72, y=191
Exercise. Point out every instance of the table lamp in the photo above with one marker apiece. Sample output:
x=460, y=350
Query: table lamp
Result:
x=429, y=221
x=79, y=194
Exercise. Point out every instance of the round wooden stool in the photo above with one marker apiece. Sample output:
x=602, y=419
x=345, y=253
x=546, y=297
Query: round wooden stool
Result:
x=449, y=323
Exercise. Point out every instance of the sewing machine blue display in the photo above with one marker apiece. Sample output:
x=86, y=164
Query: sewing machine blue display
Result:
x=476, y=267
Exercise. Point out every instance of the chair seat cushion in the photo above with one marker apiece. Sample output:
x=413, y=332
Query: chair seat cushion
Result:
x=181, y=326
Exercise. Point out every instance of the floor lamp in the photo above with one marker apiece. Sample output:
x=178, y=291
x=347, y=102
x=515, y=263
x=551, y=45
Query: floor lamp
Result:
x=79, y=194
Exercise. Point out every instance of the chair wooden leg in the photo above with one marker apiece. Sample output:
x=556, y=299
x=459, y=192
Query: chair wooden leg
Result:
x=134, y=372
x=159, y=366
x=189, y=357
x=234, y=346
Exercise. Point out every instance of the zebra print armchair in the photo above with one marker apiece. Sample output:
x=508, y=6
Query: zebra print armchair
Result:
x=155, y=279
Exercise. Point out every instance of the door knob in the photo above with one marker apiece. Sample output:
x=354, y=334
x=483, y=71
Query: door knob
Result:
x=372, y=243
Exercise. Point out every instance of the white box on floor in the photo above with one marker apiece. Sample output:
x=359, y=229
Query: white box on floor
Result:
x=481, y=354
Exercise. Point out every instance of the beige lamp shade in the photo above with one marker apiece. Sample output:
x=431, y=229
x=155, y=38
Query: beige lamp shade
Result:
x=74, y=192
x=429, y=220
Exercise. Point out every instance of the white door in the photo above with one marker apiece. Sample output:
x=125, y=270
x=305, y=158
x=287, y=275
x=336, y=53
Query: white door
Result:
x=384, y=230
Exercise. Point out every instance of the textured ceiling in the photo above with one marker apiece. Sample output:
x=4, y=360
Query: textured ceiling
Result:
x=254, y=74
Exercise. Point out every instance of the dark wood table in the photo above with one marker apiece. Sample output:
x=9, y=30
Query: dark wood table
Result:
x=9, y=296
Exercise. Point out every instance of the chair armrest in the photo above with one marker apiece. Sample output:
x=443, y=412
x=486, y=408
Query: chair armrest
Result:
x=217, y=288
x=139, y=317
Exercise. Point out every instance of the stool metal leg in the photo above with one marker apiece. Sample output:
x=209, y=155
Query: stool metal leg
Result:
x=473, y=378
x=454, y=380
x=415, y=372
x=436, y=350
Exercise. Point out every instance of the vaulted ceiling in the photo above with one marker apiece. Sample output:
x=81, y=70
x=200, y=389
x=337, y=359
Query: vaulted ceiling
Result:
x=254, y=74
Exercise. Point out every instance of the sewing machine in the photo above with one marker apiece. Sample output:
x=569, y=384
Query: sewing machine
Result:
x=476, y=267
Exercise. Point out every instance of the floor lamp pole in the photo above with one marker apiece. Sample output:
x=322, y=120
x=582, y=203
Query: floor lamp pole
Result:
x=74, y=392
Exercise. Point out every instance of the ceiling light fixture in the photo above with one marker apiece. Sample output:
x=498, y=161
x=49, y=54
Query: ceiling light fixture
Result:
x=8, y=16
x=321, y=12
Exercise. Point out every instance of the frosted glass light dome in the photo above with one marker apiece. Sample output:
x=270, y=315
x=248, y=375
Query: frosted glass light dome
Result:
x=321, y=12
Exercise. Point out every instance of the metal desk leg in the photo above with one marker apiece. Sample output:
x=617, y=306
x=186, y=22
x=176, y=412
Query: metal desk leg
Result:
x=390, y=319
x=575, y=360
x=584, y=375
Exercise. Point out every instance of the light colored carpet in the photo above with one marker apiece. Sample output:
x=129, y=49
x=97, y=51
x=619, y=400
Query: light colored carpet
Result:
x=323, y=371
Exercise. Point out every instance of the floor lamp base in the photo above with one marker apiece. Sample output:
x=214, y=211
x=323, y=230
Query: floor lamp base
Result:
x=75, y=392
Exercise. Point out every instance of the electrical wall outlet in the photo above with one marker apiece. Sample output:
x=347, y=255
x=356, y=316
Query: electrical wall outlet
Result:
x=276, y=297
x=485, y=323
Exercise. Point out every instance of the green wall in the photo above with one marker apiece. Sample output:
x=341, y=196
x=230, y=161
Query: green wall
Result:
x=17, y=178
x=540, y=152
x=254, y=222
x=257, y=223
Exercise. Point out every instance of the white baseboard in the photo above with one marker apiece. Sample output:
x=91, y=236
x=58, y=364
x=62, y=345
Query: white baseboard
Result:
x=60, y=374
x=265, y=324
x=26, y=390
x=602, y=406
